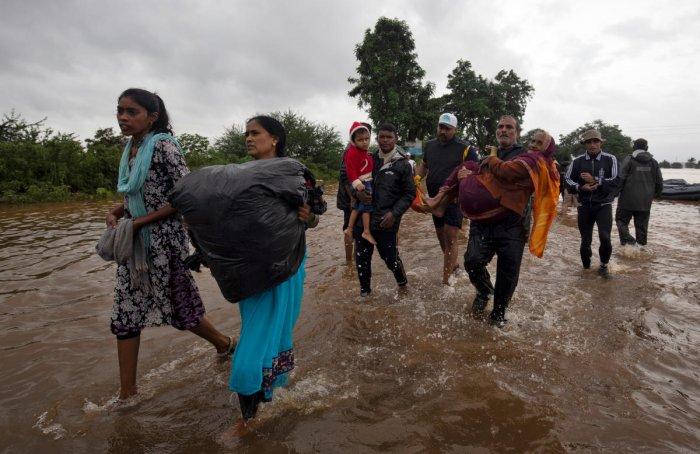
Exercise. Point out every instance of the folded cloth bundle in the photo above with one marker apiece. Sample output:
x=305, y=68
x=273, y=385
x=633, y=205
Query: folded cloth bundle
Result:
x=122, y=246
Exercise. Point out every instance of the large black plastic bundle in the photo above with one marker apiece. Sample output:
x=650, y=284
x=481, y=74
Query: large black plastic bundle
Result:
x=243, y=218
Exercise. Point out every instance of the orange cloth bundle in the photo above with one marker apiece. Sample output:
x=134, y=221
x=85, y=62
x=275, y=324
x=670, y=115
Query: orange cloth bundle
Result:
x=418, y=203
x=545, y=180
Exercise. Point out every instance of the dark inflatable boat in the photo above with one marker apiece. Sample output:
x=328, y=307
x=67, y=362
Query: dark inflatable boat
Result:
x=677, y=189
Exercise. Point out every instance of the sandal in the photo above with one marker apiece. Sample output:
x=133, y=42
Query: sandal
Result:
x=229, y=350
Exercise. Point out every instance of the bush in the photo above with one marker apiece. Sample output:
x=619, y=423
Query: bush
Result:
x=103, y=193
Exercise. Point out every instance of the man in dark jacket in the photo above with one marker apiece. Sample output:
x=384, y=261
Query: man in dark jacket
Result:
x=640, y=181
x=593, y=177
x=393, y=191
x=505, y=238
x=440, y=157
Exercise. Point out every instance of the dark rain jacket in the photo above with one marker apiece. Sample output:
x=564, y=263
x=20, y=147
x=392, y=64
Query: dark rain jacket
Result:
x=508, y=154
x=342, y=199
x=604, y=169
x=640, y=181
x=393, y=188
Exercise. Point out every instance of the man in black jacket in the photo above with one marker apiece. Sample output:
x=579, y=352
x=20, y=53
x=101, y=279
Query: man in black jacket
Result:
x=593, y=176
x=505, y=238
x=640, y=181
x=393, y=191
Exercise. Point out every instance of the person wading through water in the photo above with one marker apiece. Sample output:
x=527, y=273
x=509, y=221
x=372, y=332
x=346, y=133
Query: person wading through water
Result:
x=151, y=164
x=440, y=157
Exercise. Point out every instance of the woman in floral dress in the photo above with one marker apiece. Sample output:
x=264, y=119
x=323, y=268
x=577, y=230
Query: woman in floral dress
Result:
x=151, y=164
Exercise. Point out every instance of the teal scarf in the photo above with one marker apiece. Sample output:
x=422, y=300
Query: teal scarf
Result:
x=131, y=180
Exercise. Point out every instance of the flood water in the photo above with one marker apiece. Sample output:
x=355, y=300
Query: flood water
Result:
x=584, y=365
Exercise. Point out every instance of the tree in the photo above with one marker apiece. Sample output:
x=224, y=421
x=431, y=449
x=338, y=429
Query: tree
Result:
x=665, y=164
x=196, y=150
x=676, y=165
x=311, y=142
x=478, y=102
x=616, y=142
x=390, y=81
x=469, y=100
x=14, y=128
x=315, y=144
x=691, y=163
x=105, y=136
x=230, y=146
x=510, y=95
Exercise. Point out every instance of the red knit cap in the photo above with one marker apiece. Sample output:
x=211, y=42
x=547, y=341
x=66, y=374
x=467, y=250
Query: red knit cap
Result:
x=356, y=126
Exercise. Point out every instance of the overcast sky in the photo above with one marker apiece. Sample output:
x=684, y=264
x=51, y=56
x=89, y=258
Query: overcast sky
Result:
x=631, y=63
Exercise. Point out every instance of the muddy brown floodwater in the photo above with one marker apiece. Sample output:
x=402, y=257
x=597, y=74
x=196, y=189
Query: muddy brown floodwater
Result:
x=584, y=365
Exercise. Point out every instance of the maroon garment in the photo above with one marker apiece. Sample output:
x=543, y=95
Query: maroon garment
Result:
x=475, y=201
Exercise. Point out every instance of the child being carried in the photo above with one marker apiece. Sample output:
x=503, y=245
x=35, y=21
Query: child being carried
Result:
x=358, y=166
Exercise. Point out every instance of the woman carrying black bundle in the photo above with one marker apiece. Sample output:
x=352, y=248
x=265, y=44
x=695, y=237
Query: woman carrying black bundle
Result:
x=264, y=356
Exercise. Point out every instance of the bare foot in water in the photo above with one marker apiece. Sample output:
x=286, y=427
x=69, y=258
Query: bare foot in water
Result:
x=231, y=436
x=368, y=236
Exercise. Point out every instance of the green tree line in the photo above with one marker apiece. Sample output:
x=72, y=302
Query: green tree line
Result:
x=390, y=85
x=39, y=164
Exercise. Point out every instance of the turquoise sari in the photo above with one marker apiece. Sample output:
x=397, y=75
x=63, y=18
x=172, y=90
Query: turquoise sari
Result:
x=264, y=354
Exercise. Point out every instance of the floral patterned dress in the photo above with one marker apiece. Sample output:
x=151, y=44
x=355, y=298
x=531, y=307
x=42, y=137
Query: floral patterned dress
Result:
x=173, y=298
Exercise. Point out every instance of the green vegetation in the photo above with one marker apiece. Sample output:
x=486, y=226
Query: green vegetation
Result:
x=38, y=164
x=389, y=84
x=616, y=142
x=389, y=80
x=479, y=102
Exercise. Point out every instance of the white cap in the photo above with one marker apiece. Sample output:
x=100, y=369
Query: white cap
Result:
x=448, y=119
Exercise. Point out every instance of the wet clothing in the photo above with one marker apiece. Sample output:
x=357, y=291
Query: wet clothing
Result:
x=173, y=298
x=600, y=215
x=393, y=188
x=361, y=206
x=505, y=238
x=641, y=225
x=343, y=200
x=264, y=354
x=640, y=182
x=510, y=153
x=394, y=191
x=595, y=206
x=603, y=167
x=346, y=218
x=453, y=217
x=441, y=159
x=358, y=165
x=388, y=251
x=535, y=184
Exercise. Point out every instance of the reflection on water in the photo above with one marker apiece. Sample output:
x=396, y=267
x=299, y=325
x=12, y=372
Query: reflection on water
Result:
x=585, y=364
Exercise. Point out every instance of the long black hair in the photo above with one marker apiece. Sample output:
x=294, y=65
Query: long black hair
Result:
x=274, y=128
x=152, y=103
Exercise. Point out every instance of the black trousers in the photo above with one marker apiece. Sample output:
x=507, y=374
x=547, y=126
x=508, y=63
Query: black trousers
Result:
x=641, y=225
x=601, y=216
x=386, y=245
x=506, y=239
